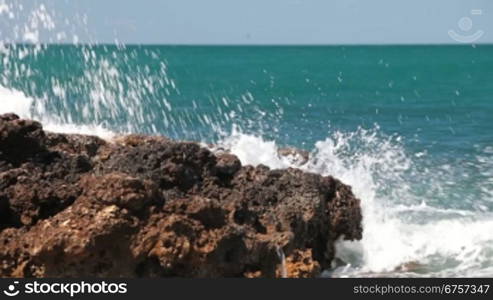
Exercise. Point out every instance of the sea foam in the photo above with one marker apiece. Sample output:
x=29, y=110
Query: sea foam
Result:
x=13, y=101
x=406, y=233
x=403, y=235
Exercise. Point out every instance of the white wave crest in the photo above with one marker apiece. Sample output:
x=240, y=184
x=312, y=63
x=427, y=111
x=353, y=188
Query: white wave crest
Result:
x=403, y=235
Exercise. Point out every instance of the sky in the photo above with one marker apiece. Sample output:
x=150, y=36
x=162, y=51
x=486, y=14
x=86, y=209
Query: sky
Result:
x=263, y=22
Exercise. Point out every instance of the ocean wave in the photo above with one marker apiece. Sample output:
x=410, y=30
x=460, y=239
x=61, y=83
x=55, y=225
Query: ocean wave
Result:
x=401, y=237
x=420, y=219
x=403, y=234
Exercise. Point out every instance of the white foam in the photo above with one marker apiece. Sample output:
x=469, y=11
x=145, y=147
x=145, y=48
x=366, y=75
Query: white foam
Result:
x=13, y=101
x=254, y=150
x=399, y=227
x=96, y=130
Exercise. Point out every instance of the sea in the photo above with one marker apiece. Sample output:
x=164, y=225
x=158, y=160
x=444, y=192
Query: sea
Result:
x=409, y=128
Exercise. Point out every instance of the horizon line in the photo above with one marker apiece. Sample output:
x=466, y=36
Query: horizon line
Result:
x=245, y=45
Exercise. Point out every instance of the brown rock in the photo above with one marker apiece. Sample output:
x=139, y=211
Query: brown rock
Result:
x=77, y=206
x=300, y=264
x=295, y=156
x=227, y=164
x=20, y=140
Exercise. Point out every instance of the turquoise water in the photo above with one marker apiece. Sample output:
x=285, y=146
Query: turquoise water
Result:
x=409, y=127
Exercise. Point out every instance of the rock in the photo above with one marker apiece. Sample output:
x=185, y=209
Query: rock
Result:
x=77, y=206
x=20, y=140
x=36, y=182
x=300, y=264
x=411, y=266
x=121, y=190
x=227, y=164
x=294, y=156
x=74, y=143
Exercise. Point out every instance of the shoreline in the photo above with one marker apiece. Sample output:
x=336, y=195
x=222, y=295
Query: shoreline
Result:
x=141, y=206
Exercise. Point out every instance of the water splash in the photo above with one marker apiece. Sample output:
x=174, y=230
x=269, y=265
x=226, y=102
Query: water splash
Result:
x=17, y=102
x=93, y=88
x=115, y=88
x=418, y=220
x=403, y=234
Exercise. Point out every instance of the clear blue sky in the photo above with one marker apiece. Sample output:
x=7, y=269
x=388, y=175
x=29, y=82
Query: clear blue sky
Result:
x=261, y=21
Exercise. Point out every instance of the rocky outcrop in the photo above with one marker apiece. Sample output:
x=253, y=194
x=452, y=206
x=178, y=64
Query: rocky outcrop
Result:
x=138, y=206
x=295, y=156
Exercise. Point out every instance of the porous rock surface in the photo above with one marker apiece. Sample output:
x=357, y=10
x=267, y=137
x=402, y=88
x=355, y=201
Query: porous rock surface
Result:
x=140, y=206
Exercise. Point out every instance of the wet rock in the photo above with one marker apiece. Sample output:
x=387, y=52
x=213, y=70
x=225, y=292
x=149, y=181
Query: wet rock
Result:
x=294, y=156
x=77, y=206
x=74, y=143
x=411, y=266
x=36, y=181
x=227, y=164
x=300, y=264
x=20, y=140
